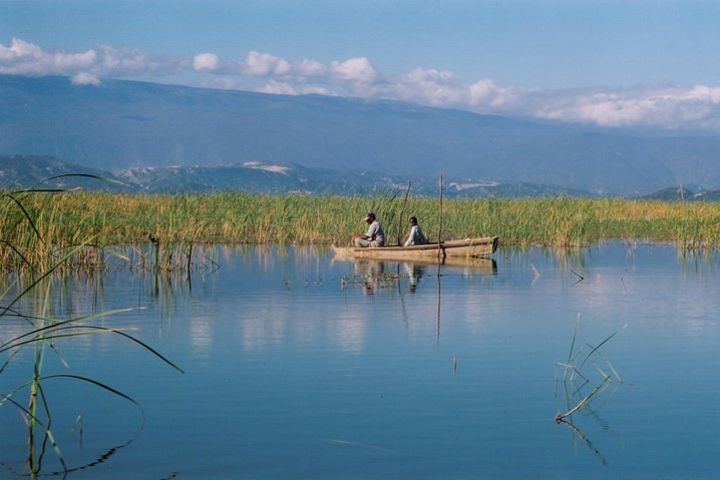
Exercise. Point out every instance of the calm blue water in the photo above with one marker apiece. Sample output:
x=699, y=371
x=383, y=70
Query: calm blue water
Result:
x=300, y=368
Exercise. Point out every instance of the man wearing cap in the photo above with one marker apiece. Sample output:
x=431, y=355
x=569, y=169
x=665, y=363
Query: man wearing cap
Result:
x=374, y=237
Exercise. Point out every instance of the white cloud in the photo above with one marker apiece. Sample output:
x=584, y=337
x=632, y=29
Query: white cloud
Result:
x=222, y=82
x=285, y=88
x=669, y=107
x=430, y=87
x=84, y=78
x=358, y=69
x=703, y=93
x=282, y=88
x=25, y=58
x=123, y=61
x=309, y=68
x=18, y=49
x=317, y=90
x=208, y=62
x=696, y=106
x=263, y=65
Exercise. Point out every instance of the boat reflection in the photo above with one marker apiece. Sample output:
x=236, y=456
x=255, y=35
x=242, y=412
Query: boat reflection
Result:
x=377, y=274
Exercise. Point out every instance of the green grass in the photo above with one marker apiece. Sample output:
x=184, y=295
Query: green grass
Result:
x=61, y=221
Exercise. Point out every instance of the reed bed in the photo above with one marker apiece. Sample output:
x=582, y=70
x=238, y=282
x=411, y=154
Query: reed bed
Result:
x=61, y=222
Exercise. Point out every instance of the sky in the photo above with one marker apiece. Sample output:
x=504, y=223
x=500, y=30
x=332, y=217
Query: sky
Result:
x=609, y=63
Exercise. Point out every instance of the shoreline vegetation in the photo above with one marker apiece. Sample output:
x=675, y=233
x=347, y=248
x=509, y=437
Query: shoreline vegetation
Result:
x=40, y=227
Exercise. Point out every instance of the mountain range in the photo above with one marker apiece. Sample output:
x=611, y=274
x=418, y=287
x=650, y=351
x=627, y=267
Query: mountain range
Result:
x=120, y=125
x=26, y=171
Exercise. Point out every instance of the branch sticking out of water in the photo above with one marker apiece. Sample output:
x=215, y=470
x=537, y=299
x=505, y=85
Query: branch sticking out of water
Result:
x=573, y=371
x=584, y=401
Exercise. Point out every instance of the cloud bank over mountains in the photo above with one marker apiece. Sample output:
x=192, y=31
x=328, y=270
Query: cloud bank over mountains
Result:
x=674, y=107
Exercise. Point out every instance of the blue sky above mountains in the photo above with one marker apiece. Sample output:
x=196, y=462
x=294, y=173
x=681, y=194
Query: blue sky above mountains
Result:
x=610, y=63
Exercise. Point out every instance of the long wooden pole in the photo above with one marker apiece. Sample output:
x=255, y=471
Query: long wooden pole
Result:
x=440, y=258
x=402, y=213
x=440, y=251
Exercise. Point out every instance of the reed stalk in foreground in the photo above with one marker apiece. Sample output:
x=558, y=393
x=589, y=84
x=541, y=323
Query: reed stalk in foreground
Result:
x=43, y=330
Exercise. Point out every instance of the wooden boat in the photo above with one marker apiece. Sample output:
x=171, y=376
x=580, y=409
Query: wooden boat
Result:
x=467, y=248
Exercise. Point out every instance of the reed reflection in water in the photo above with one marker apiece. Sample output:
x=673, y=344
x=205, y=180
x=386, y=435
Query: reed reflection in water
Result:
x=39, y=324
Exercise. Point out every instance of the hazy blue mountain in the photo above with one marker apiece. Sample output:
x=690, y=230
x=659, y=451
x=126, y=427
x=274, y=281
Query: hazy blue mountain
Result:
x=293, y=178
x=25, y=171
x=671, y=194
x=250, y=176
x=122, y=124
x=21, y=171
x=683, y=194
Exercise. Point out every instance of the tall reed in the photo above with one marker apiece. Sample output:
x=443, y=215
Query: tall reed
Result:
x=62, y=221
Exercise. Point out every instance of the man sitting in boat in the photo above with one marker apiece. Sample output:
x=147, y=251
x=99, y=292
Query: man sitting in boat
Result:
x=416, y=236
x=374, y=237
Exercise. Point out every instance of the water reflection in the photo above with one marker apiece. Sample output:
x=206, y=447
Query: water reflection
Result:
x=446, y=369
x=373, y=275
x=582, y=437
x=41, y=325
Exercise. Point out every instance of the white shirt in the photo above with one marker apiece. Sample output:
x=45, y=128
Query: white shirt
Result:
x=415, y=237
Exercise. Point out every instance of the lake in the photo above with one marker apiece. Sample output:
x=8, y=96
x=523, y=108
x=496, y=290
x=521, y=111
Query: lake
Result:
x=298, y=367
